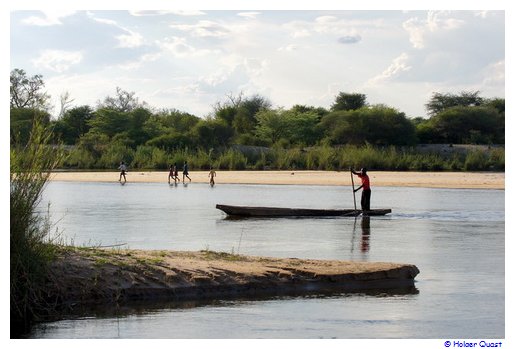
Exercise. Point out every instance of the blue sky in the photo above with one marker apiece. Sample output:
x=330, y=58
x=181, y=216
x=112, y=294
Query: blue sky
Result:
x=190, y=60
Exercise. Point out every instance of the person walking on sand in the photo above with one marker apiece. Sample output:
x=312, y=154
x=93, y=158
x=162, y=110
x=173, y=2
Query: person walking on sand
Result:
x=175, y=172
x=123, y=170
x=365, y=185
x=171, y=174
x=212, y=175
x=185, y=171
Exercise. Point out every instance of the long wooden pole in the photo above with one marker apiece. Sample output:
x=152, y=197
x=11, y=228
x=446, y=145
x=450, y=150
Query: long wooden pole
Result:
x=353, y=192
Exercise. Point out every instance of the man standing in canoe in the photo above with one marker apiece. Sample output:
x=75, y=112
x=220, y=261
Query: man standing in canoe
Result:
x=365, y=185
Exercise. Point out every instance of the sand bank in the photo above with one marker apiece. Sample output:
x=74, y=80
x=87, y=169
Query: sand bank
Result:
x=93, y=275
x=458, y=180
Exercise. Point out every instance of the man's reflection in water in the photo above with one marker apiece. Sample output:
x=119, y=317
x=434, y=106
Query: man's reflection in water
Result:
x=365, y=233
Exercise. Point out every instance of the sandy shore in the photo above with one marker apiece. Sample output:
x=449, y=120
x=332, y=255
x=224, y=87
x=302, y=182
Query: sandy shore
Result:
x=84, y=276
x=458, y=180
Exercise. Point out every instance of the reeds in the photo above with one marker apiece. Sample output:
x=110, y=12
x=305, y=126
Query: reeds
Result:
x=30, y=248
x=322, y=157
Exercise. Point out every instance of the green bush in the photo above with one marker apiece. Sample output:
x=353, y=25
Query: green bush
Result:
x=160, y=159
x=202, y=160
x=142, y=157
x=114, y=153
x=80, y=158
x=232, y=160
x=496, y=159
x=476, y=160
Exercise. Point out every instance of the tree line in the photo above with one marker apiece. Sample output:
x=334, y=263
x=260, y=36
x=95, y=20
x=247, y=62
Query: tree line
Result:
x=120, y=127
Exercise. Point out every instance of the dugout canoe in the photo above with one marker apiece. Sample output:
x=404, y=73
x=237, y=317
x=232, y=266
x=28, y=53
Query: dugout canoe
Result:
x=250, y=211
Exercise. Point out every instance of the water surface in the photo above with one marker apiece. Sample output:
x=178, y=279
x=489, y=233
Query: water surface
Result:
x=455, y=237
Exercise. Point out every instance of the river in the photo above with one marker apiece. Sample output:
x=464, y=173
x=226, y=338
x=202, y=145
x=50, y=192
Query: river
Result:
x=455, y=237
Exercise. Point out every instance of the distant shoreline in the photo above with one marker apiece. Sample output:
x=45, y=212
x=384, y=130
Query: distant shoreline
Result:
x=449, y=180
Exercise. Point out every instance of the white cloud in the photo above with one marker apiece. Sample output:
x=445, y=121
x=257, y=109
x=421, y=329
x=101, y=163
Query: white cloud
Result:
x=130, y=40
x=180, y=48
x=151, y=57
x=331, y=25
x=203, y=29
x=399, y=65
x=416, y=30
x=143, y=13
x=249, y=15
x=188, y=13
x=57, y=60
x=49, y=18
x=495, y=74
x=482, y=14
x=298, y=29
x=435, y=21
x=102, y=20
x=290, y=47
x=148, y=13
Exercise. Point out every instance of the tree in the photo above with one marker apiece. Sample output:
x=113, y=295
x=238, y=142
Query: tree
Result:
x=303, y=127
x=137, y=119
x=349, y=101
x=497, y=103
x=66, y=101
x=439, y=102
x=123, y=101
x=226, y=113
x=476, y=125
x=211, y=133
x=26, y=92
x=177, y=120
x=271, y=125
x=298, y=109
x=377, y=125
x=239, y=112
x=22, y=120
x=109, y=122
x=73, y=124
x=299, y=128
x=245, y=118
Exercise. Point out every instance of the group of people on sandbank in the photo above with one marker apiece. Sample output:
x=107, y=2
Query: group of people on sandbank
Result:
x=173, y=173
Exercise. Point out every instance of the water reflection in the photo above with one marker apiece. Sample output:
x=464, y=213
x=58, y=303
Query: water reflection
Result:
x=365, y=239
x=365, y=234
x=149, y=307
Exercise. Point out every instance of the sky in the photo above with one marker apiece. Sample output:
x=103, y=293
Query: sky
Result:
x=192, y=59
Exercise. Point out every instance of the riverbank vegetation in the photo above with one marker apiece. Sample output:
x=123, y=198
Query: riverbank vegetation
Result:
x=247, y=132
x=30, y=248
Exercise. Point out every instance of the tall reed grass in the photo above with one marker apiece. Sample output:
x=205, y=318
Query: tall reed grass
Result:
x=314, y=158
x=30, y=247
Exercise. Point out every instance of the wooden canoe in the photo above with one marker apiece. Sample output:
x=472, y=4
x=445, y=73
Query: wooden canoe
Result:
x=248, y=211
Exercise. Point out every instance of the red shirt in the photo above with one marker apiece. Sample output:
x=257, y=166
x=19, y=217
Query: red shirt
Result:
x=365, y=181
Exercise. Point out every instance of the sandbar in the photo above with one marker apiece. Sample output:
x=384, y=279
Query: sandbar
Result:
x=83, y=276
x=456, y=180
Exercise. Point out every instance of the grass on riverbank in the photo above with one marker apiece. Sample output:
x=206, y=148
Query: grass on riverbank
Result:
x=315, y=158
